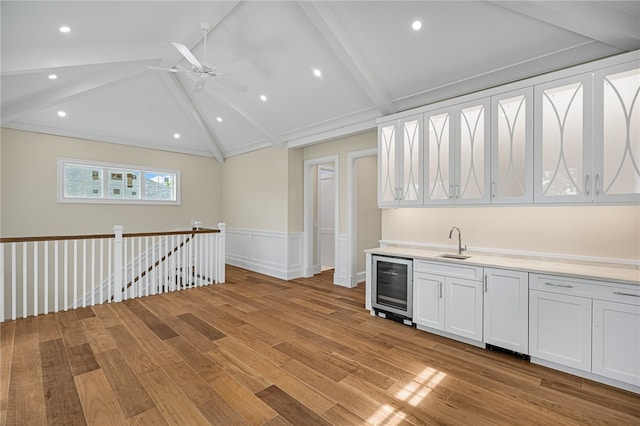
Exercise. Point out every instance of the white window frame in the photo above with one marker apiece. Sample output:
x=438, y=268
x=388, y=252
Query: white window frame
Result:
x=105, y=166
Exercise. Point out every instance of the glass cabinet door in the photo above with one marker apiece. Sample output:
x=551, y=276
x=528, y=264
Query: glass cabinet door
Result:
x=512, y=147
x=617, y=134
x=411, y=152
x=472, y=154
x=439, y=140
x=387, y=187
x=563, y=140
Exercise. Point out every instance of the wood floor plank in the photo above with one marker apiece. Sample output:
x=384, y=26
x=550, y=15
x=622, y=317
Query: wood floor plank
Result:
x=173, y=404
x=289, y=408
x=262, y=351
x=7, y=333
x=62, y=402
x=99, y=403
x=132, y=396
x=25, y=401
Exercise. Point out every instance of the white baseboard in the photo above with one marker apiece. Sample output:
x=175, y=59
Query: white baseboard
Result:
x=277, y=254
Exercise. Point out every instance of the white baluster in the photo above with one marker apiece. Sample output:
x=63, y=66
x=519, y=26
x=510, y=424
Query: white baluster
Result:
x=84, y=273
x=110, y=269
x=46, y=277
x=101, y=280
x=14, y=286
x=56, y=279
x=123, y=271
x=2, y=287
x=140, y=267
x=65, y=265
x=35, y=278
x=147, y=256
x=220, y=251
x=25, y=295
x=75, y=274
x=93, y=272
x=117, y=263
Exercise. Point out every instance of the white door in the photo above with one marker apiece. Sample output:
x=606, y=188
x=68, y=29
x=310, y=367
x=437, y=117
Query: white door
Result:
x=326, y=216
x=428, y=300
x=560, y=329
x=463, y=308
x=506, y=309
x=616, y=341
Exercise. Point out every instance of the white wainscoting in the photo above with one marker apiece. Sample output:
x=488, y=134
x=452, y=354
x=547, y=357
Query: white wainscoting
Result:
x=277, y=254
x=341, y=274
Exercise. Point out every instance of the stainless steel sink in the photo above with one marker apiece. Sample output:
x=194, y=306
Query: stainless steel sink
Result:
x=454, y=256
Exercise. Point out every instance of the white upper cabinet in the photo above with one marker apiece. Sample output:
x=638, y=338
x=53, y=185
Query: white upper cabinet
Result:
x=400, y=162
x=563, y=140
x=457, y=158
x=512, y=147
x=617, y=134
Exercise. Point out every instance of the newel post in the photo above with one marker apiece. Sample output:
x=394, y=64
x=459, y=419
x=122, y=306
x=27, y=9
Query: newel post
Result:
x=117, y=263
x=221, y=253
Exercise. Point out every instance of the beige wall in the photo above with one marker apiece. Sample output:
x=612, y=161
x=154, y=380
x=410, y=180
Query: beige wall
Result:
x=369, y=223
x=342, y=147
x=599, y=231
x=28, y=178
x=256, y=189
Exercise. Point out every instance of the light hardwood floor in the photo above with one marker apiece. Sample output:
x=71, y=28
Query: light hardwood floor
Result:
x=258, y=350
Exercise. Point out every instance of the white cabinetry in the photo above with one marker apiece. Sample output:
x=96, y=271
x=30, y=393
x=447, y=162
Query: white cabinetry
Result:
x=512, y=147
x=560, y=329
x=616, y=340
x=591, y=326
x=617, y=134
x=448, y=298
x=506, y=308
x=563, y=119
x=400, y=162
x=457, y=160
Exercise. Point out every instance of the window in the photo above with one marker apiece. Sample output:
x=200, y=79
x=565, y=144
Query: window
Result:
x=83, y=181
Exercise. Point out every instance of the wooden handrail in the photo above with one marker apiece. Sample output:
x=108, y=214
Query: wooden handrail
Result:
x=101, y=236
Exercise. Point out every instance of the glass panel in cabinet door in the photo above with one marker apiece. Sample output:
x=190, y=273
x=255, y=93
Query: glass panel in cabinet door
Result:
x=511, y=142
x=621, y=134
x=411, y=164
x=562, y=141
x=387, y=151
x=472, y=153
x=439, y=139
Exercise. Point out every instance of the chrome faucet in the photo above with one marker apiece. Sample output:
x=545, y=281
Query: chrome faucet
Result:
x=460, y=249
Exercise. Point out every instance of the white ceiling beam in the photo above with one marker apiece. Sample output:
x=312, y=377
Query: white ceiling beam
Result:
x=20, y=61
x=325, y=22
x=45, y=98
x=595, y=20
x=190, y=33
x=181, y=95
x=221, y=95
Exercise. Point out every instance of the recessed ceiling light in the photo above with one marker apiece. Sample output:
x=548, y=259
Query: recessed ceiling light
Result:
x=52, y=76
x=263, y=98
x=219, y=119
x=416, y=25
x=176, y=135
x=62, y=114
x=65, y=29
x=317, y=72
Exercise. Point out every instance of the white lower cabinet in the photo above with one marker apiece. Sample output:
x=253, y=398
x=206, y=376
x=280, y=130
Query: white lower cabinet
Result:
x=616, y=341
x=560, y=329
x=506, y=309
x=428, y=300
x=448, y=298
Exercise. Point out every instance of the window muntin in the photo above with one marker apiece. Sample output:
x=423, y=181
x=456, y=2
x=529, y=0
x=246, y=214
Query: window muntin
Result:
x=82, y=181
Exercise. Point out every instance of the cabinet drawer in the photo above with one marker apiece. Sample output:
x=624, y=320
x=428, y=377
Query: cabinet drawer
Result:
x=442, y=268
x=602, y=290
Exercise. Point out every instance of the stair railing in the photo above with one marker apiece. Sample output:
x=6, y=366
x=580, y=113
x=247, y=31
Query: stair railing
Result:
x=39, y=275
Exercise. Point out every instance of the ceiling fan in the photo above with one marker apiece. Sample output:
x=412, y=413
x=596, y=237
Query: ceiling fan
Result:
x=202, y=69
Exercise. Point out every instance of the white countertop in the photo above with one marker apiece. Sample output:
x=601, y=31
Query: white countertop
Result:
x=607, y=272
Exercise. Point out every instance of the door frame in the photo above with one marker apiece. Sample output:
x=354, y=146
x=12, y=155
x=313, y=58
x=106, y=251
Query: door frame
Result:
x=352, y=220
x=309, y=192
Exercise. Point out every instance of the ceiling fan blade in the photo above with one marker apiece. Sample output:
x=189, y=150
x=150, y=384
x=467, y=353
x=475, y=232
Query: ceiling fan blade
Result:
x=233, y=85
x=187, y=55
x=199, y=85
x=151, y=67
x=232, y=67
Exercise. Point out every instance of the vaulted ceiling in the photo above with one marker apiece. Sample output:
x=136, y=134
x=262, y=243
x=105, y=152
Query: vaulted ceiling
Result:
x=372, y=64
